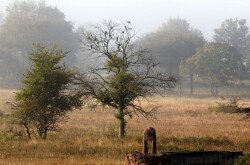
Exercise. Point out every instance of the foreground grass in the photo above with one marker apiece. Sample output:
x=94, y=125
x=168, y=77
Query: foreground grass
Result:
x=90, y=137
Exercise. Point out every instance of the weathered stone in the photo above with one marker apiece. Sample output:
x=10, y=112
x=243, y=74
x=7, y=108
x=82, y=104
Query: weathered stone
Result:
x=183, y=158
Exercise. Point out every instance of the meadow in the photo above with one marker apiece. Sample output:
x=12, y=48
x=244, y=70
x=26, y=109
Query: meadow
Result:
x=90, y=136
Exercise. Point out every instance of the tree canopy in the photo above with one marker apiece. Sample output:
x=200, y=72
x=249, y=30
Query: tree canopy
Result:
x=173, y=42
x=233, y=32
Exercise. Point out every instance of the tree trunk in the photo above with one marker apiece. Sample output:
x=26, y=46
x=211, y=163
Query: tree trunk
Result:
x=122, y=123
x=191, y=84
x=28, y=131
x=44, y=134
x=211, y=89
x=181, y=90
x=122, y=128
x=214, y=89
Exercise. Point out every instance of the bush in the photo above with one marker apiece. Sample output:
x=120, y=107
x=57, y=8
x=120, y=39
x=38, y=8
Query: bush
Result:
x=227, y=105
x=46, y=95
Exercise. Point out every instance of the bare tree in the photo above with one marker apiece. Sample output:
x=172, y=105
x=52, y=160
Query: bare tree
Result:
x=127, y=76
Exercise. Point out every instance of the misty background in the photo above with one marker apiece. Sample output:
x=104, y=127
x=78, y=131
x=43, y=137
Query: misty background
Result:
x=179, y=33
x=148, y=15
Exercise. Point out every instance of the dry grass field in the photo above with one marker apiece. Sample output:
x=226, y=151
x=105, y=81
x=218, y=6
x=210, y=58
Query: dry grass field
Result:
x=90, y=136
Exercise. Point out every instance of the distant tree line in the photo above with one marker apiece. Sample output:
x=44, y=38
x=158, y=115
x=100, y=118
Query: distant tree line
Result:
x=27, y=23
x=183, y=51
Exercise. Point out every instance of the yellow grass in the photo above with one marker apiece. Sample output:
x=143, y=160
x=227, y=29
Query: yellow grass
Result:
x=90, y=137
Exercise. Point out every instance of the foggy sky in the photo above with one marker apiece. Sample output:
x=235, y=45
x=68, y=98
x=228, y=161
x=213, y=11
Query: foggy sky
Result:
x=148, y=15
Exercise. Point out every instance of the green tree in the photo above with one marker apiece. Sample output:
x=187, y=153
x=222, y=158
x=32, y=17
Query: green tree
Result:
x=233, y=32
x=126, y=77
x=173, y=42
x=45, y=97
x=29, y=22
x=217, y=63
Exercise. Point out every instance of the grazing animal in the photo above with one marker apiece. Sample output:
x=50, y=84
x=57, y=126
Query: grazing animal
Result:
x=149, y=135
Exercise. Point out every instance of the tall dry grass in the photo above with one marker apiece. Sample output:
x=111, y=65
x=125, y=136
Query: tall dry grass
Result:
x=90, y=136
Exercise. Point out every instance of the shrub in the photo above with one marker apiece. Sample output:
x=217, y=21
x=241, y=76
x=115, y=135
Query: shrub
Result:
x=228, y=105
x=46, y=95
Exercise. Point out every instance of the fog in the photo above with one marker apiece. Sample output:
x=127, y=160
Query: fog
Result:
x=176, y=32
x=148, y=15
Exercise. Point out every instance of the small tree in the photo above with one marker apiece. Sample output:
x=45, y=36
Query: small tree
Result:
x=127, y=75
x=45, y=97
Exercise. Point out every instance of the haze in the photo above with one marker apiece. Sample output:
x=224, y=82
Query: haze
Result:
x=148, y=15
